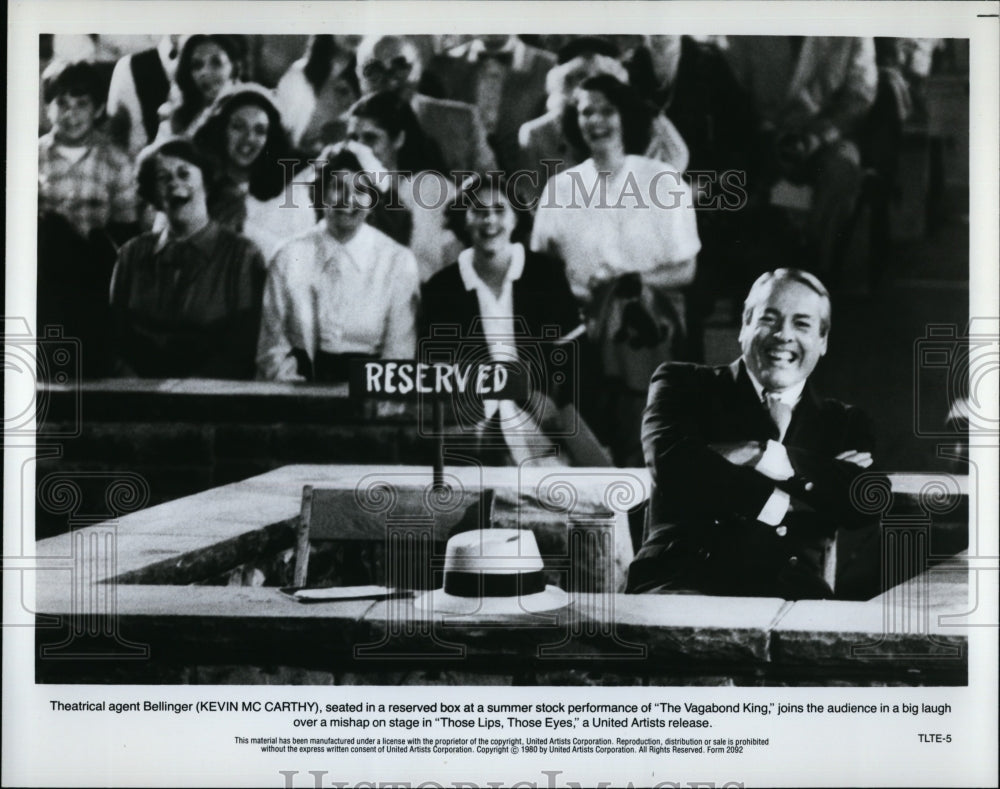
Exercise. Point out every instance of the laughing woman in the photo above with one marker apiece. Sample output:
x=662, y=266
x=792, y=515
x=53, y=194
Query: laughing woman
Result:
x=624, y=225
x=513, y=306
x=259, y=197
x=186, y=301
x=342, y=291
x=206, y=67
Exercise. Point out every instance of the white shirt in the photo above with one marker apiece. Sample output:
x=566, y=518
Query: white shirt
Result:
x=642, y=220
x=774, y=463
x=270, y=223
x=321, y=295
x=497, y=314
x=124, y=98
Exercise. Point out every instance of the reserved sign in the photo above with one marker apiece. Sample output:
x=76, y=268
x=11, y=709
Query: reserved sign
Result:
x=385, y=379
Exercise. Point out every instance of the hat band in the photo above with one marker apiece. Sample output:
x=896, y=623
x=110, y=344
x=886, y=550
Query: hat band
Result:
x=462, y=584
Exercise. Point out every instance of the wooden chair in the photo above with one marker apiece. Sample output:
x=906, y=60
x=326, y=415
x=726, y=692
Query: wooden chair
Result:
x=335, y=515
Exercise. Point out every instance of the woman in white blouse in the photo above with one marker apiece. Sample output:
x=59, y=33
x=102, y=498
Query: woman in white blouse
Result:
x=341, y=291
x=624, y=225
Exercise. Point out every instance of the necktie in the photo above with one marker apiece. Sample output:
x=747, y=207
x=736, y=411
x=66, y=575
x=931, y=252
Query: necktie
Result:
x=503, y=57
x=781, y=413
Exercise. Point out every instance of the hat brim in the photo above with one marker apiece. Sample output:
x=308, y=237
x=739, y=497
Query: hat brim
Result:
x=440, y=602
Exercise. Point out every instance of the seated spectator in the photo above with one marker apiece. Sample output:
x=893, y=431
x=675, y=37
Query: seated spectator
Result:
x=624, y=226
x=515, y=306
x=87, y=206
x=81, y=174
x=140, y=85
x=186, y=300
x=392, y=63
x=545, y=151
x=342, y=291
x=501, y=76
x=418, y=192
x=752, y=472
x=692, y=84
x=207, y=66
x=811, y=93
x=243, y=132
x=100, y=50
x=315, y=93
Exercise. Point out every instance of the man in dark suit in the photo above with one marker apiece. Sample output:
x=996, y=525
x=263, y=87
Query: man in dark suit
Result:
x=752, y=473
x=504, y=78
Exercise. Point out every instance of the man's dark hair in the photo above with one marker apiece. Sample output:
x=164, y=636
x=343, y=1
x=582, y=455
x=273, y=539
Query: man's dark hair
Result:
x=74, y=78
x=394, y=116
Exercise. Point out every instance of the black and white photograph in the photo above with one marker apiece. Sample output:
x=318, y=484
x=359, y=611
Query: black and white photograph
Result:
x=501, y=406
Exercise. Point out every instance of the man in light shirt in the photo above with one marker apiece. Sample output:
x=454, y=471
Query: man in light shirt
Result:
x=752, y=472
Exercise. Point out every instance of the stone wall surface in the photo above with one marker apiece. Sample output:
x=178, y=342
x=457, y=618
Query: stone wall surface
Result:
x=150, y=616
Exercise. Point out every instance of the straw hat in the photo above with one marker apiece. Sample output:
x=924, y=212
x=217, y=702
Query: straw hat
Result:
x=493, y=572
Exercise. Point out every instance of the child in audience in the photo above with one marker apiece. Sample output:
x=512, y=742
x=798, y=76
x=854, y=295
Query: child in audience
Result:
x=81, y=175
x=86, y=208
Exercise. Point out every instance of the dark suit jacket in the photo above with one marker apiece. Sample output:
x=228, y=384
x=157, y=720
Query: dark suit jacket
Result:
x=544, y=311
x=457, y=130
x=522, y=96
x=703, y=534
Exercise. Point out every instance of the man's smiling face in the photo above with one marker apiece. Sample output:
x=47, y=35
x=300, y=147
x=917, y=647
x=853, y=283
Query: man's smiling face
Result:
x=784, y=335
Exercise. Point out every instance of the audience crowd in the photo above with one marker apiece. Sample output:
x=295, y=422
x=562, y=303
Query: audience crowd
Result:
x=272, y=207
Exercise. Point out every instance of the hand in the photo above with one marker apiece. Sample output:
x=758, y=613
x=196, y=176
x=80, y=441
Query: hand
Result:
x=740, y=453
x=862, y=459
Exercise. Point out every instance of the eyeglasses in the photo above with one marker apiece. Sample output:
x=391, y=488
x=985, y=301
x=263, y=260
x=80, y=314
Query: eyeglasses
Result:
x=399, y=66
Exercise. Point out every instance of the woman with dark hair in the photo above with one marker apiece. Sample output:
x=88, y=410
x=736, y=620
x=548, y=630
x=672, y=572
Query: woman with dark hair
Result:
x=342, y=291
x=206, y=67
x=625, y=227
x=316, y=91
x=186, y=301
x=418, y=192
x=259, y=198
x=513, y=306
